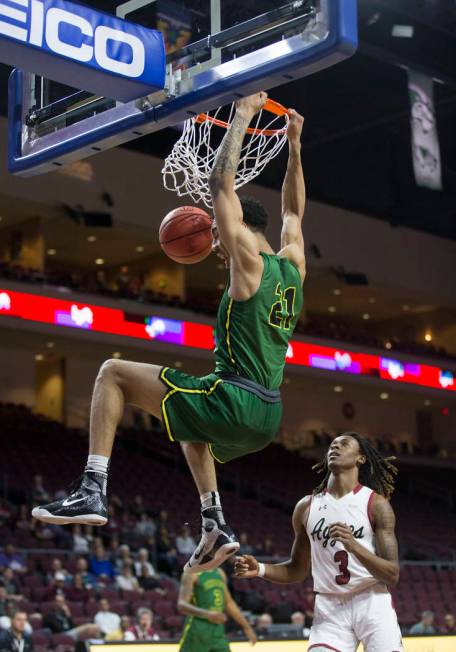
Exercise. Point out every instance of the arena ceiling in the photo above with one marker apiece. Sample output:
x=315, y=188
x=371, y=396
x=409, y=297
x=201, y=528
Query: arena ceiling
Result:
x=356, y=143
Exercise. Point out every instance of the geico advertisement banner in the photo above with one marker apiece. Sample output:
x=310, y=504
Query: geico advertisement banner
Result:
x=82, y=47
x=415, y=644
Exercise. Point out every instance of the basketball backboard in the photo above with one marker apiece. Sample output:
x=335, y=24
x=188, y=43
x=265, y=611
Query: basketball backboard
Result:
x=215, y=51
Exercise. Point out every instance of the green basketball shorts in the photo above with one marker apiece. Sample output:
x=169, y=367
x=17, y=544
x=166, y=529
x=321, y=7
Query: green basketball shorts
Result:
x=231, y=419
x=202, y=636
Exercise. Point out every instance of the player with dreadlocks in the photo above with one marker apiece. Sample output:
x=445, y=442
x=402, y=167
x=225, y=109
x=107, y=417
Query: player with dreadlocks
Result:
x=344, y=534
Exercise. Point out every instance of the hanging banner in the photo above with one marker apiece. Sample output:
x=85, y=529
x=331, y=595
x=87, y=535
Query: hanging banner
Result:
x=425, y=141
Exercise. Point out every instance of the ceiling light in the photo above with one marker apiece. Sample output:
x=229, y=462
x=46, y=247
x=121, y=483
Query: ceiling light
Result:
x=139, y=249
x=51, y=252
x=366, y=316
x=1, y=218
x=286, y=381
x=337, y=292
x=338, y=389
x=402, y=31
x=50, y=345
x=117, y=355
x=221, y=266
x=99, y=261
x=221, y=286
x=178, y=364
x=92, y=238
x=405, y=307
x=427, y=402
x=428, y=337
x=388, y=345
x=39, y=357
x=331, y=308
x=384, y=396
x=372, y=299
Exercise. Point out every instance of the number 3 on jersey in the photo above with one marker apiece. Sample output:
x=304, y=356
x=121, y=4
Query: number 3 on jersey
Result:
x=281, y=312
x=341, y=558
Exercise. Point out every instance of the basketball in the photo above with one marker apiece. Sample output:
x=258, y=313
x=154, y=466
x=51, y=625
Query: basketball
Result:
x=185, y=235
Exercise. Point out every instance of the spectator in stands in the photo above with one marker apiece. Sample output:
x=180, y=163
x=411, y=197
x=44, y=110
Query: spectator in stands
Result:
x=299, y=619
x=9, y=581
x=9, y=558
x=268, y=548
x=143, y=560
x=77, y=592
x=81, y=543
x=185, y=543
x=16, y=639
x=57, y=568
x=449, y=626
x=57, y=586
x=123, y=557
x=3, y=601
x=166, y=552
x=5, y=512
x=99, y=564
x=119, y=634
x=281, y=612
x=143, y=630
x=146, y=526
x=426, y=624
x=126, y=580
x=39, y=493
x=246, y=548
x=107, y=620
x=262, y=624
x=59, y=621
x=23, y=519
x=82, y=568
x=146, y=581
x=138, y=506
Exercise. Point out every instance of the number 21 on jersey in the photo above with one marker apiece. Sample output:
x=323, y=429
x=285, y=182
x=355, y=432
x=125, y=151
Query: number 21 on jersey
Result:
x=281, y=312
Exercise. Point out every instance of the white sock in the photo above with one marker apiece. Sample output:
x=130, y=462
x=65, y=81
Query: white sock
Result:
x=98, y=463
x=211, y=506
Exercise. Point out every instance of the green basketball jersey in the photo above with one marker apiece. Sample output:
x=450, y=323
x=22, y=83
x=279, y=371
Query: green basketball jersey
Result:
x=252, y=336
x=209, y=591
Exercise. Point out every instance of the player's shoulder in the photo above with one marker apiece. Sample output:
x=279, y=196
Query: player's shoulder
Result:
x=295, y=255
x=302, y=508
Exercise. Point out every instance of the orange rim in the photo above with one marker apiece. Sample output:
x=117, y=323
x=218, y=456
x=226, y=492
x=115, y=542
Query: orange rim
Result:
x=270, y=105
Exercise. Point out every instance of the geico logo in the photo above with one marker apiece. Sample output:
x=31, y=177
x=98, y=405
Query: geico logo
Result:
x=85, y=52
x=72, y=36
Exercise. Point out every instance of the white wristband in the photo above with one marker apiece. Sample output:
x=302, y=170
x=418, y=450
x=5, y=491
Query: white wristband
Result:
x=261, y=569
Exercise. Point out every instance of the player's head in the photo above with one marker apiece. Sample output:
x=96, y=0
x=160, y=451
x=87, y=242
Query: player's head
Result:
x=255, y=218
x=254, y=214
x=352, y=451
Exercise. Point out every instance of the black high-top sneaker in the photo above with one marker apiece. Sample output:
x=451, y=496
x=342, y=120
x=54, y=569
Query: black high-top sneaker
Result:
x=86, y=503
x=218, y=543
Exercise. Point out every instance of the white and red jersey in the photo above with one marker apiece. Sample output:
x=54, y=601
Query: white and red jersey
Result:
x=334, y=570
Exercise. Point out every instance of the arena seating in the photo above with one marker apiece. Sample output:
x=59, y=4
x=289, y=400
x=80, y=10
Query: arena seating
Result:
x=258, y=497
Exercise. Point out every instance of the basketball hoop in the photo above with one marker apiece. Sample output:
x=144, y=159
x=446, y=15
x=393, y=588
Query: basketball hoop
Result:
x=189, y=165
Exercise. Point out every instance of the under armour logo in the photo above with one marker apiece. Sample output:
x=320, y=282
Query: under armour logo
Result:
x=323, y=507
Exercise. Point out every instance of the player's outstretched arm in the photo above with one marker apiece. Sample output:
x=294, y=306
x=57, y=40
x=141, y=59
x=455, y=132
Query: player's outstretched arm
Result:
x=294, y=195
x=227, y=207
x=233, y=611
x=384, y=565
x=297, y=568
x=185, y=606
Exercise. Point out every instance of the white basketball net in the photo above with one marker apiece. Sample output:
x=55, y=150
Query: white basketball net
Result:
x=187, y=168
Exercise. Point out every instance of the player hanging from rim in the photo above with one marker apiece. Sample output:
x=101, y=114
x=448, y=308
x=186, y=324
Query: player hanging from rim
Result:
x=237, y=409
x=207, y=602
x=345, y=533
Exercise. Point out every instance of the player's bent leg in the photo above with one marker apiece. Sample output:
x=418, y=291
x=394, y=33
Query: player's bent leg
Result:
x=218, y=541
x=118, y=382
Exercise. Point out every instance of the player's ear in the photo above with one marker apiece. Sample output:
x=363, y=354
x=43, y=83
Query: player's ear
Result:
x=361, y=460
